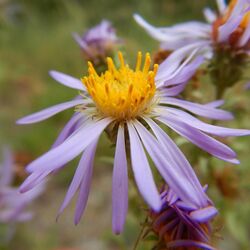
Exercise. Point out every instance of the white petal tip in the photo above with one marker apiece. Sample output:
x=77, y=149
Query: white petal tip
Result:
x=51, y=72
x=235, y=161
x=245, y=132
x=139, y=19
x=136, y=16
x=54, y=74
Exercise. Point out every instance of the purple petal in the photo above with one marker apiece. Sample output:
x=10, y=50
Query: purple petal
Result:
x=196, y=28
x=22, y=200
x=184, y=206
x=239, y=8
x=215, y=104
x=198, y=109
x=171, y=197
x=120, y=184
x=70, y=148
x=185, y=73
x=15, y=215
x=67, y=80
x=171, y=66
x=154, y=32
x=221, y=6
x=142, y=172
x=176, y=179
x=205, y=188
x=176, y=36
x=209, y=15
x=179, y=161
x=204, y=214
x=211, y=129
x=200, y=139
x=33, y=180
x=46, y=113
x=69, y=128
x=82, y=44
x=34, y=193
x=245, y=37
x=197, y=230
x=85, y=163
x=228, y=28
x=24, y=216
x=103, y=32
x=175, y=63
x=15, y=203
x=86, y=181
x=172, y=91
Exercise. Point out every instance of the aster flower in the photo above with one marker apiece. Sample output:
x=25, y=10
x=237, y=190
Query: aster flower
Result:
x=181, y=226
x=127, y=102
x=229, y=27
x=12, y=203
x=98, y=42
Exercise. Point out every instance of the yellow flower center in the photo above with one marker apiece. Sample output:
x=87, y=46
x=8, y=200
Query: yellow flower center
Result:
x=122, y=93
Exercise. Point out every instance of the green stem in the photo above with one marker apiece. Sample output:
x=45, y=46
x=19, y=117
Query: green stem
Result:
x=139, y=237
x=220, y=90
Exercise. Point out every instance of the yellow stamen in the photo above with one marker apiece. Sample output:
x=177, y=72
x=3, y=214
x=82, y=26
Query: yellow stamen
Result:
x=245, y=20
x=147, y=63
x=121, y=92
x=121, y=59
x=138, y=62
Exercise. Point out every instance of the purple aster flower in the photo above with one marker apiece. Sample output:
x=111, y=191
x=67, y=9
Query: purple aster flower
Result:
x=98, y=42
x=127, y=102
x=12, y=203
x=181, y=226
x=230, y=26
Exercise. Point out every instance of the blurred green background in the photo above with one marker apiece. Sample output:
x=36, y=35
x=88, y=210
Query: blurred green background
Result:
x=35, y=36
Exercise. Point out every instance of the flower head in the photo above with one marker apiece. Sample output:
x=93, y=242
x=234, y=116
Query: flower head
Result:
x=231, y=27
x=12, y=203
x=133, y=102
x=122, y=93
x=232, y=24
x=181, y=226
x=98, y=42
